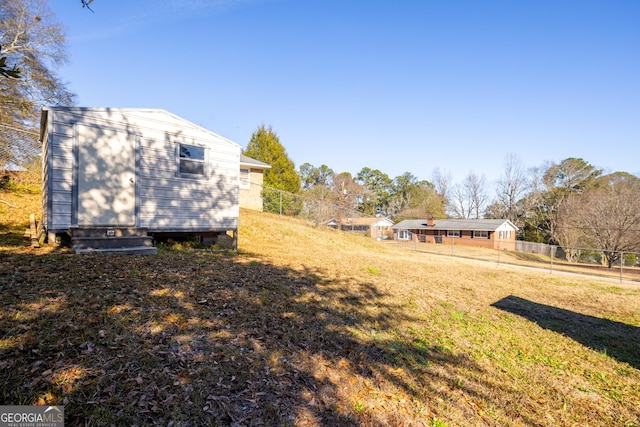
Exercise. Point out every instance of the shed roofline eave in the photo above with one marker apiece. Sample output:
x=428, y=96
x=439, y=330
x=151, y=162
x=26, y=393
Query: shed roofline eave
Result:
x=142, y=109
x=44, y=121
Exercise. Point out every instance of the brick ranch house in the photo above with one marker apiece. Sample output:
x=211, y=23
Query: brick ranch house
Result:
x=488, y=233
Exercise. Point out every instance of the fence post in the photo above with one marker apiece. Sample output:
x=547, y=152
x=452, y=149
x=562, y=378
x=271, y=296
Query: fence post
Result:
x=621, y=264
x=280, y=203
x=553, y=250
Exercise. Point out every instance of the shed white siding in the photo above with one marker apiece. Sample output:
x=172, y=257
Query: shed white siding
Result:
x=165, y=199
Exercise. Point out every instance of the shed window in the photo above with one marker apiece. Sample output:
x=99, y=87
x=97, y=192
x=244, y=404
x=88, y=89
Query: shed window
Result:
x=453, y=233
x=480, y=234
x=245, y=178
x=192, y=160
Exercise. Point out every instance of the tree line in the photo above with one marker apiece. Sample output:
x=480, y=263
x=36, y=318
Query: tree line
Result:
x=571, y=203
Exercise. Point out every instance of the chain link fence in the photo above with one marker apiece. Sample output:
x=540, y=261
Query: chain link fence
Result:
x=20, y=152
x=616, y=265
x=319, y=213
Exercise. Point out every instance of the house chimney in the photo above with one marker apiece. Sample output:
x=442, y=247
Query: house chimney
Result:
x=431, y=222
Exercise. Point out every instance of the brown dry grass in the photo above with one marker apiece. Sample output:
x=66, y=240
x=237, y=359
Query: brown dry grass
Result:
x=313, y=327
x=17, y=201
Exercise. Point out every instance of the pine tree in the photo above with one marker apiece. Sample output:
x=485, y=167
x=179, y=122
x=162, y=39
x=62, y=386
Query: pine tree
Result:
x=265, y=146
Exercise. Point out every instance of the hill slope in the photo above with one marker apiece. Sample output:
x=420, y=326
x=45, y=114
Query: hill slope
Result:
x=484, y=341
x=314, y=327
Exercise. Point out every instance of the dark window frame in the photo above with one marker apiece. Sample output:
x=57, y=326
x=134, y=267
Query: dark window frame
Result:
x=191, y=161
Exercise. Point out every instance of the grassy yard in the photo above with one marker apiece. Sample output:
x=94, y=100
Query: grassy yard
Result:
x=311, y=328
x=628, y=273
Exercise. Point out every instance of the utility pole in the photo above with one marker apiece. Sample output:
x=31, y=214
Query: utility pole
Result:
x=342, y=194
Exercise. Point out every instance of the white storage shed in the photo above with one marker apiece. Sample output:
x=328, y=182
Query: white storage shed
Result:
x=121, y=174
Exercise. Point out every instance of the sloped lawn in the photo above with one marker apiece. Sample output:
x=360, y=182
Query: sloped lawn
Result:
x=309, y=327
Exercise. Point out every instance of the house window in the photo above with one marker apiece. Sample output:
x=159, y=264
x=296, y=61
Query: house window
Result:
x=191, y=160
x=245, y=178
x=505, y=234
x=404, y=235
x=453, y=233
x=477, y=234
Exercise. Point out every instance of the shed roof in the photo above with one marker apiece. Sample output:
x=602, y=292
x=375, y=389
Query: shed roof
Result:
x=454, y=224
x=158, y=112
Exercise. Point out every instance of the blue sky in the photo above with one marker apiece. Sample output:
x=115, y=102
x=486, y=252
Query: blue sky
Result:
x=400, y=86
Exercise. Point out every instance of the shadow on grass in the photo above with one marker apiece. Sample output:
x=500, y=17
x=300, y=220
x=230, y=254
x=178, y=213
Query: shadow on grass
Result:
x=10, y=236
x=204, y=339
x=618, y=340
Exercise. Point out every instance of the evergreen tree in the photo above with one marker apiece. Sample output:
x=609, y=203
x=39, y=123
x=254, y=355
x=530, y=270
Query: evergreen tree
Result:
x=312, y=176
x=266, y=147
x=379, y=190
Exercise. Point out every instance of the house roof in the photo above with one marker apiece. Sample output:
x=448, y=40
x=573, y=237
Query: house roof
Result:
x=455, y=224
x=367, y=221
x=362, y=221
x=253, y=163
